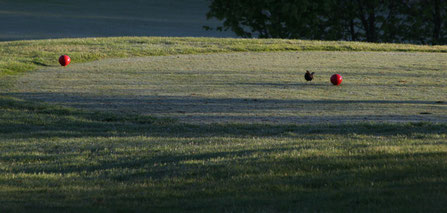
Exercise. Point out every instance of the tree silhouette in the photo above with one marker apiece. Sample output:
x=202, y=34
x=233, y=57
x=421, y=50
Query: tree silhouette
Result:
x=408, y=21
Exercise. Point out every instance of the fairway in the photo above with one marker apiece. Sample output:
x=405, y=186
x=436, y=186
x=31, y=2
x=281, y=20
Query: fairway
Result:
x=253, y=87
x=142, y=124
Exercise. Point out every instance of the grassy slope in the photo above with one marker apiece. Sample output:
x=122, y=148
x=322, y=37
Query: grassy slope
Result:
x=19, y=56
x=56, y=158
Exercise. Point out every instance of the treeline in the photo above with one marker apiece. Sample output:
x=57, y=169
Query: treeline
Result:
x=396, y=21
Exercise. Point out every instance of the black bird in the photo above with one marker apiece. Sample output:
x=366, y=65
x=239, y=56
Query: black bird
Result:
x=309, y=76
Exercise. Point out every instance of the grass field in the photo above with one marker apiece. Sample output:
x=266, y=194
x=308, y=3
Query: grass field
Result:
x=226, y=125
x=252, y=87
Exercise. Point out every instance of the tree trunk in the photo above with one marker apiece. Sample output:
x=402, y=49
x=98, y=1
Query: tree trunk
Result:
x=368, y=19
x=352, y=30
x=372, y=25
x=437, y=22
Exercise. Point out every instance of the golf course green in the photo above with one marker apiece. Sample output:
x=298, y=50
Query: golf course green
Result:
x=157, y=124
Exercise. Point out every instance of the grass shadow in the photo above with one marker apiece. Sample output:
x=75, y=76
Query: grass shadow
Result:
x=63, y=159
x=192, y=109
x=20, y=119
x=372, y=182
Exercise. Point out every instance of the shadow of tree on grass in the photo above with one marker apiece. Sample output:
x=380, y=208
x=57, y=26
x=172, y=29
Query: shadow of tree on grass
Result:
x=198, y=110
x=395, y=182
x=91, y=161
x=26, y=119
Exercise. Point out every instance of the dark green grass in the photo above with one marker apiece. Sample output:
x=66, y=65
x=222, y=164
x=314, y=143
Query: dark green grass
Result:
x=62, y=159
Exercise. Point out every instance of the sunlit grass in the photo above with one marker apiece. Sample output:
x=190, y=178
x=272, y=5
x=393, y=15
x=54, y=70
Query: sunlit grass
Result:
x=266, y=87
x=127, y=140
x=19, y=56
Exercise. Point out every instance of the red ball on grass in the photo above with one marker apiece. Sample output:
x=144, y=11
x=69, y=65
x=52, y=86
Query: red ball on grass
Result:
x=64, y=60
x=336, y=79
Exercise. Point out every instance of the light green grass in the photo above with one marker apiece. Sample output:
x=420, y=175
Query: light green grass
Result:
x=266, y=87
x=131, y=156
x=20, y=56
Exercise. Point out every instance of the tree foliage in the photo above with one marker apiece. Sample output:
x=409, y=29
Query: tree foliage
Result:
x=408, y=21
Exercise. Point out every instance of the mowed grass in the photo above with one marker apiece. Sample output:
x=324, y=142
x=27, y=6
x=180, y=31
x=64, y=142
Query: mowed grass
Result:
x=266, y=87
x=20, y=56
x=61, y=159
x=163, y=134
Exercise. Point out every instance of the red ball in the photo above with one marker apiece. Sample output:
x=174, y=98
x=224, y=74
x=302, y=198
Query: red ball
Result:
x=336, y=79
x=64, y=60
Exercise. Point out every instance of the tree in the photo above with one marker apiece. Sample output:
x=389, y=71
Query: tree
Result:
x=415, y=21
x=270, y=18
